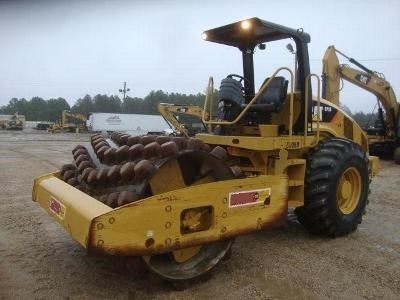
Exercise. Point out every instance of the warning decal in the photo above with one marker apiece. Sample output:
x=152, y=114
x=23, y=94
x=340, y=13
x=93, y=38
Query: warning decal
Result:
x=248, y=197
x=57, y=207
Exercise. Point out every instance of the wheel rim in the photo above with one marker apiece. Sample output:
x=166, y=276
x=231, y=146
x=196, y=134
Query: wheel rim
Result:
x=189, y=169
x=183, y=255
x=349, y=190
x=198, y=261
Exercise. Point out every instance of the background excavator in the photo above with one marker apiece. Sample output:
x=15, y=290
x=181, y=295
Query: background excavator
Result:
x=69, y=122
x=13, y=122
x=178, y=203
x=185, y=119
x=384, y=136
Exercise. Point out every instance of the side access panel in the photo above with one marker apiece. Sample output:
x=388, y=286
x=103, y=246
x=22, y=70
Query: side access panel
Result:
x=191, y=216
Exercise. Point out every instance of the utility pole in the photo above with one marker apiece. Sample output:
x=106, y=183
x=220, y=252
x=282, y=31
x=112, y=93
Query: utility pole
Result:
x=124, y=90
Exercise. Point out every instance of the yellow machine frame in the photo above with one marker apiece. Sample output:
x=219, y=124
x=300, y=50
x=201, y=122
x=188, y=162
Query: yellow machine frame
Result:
x=266, y=164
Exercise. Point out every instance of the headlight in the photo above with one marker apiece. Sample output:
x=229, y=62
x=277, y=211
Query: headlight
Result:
x=245, y=24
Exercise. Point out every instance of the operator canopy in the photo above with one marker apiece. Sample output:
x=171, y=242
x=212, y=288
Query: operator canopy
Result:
x=248, y=33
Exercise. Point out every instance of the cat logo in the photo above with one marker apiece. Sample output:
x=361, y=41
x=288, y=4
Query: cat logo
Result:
x=364, y=79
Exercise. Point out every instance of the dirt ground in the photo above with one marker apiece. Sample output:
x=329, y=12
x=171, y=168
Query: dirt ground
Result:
x=39, y=260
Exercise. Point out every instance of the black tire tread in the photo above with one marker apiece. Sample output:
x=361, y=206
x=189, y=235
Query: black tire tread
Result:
x=319, y=214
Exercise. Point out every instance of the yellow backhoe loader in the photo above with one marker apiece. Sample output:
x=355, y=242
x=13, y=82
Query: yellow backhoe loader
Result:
x=185, y=119
x=384, y=136
x=70, y=122
x=179, y=202
x=12, y=122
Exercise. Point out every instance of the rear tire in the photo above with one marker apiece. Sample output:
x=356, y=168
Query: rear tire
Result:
x=336, y=189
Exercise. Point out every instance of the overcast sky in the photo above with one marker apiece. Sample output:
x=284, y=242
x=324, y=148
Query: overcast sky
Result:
x=69, y=49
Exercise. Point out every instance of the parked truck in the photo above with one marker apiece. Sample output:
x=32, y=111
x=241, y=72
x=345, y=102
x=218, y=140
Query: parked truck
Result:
x=135, y=124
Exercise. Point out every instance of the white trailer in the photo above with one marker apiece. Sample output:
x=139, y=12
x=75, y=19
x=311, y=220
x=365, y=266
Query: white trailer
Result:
x=134, y=124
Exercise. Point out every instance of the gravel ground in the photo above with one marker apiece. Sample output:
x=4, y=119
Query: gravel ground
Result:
x=38, y=259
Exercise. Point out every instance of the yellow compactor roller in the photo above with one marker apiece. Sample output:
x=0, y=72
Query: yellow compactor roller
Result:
x=179, y=202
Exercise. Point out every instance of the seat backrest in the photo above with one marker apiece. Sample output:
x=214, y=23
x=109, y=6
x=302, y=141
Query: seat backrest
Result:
x=230, y=99
x=276, y=92
x=231, y=90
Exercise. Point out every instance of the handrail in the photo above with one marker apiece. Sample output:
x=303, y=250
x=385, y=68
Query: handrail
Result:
x=255, y=98
x=308, y=80
x=210, y=91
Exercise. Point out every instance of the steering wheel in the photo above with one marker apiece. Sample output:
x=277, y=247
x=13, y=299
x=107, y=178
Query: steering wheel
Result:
x=241, y=78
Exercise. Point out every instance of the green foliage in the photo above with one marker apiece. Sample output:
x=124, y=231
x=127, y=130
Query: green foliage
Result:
x=84, y=105
x=107, y=104
x=365, y=120
x=132, y=105
x=15, y=105
x=54, y=107
x=147, y=105
x=151, y=101
x=39, y=109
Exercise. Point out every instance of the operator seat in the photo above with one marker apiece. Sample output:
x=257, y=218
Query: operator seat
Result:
x=273, y=97
x=268, y=102
x=231, y=100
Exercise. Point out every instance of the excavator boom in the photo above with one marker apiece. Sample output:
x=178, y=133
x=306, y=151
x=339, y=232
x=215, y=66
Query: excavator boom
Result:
x=371, y=81
x=173, y=113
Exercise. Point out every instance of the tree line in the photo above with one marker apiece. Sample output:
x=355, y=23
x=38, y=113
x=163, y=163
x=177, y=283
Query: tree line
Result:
x=39, y=109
